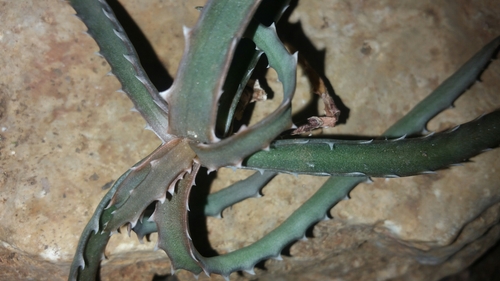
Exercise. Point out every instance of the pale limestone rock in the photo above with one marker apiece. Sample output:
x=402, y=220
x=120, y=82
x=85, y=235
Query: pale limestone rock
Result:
x=65, y=135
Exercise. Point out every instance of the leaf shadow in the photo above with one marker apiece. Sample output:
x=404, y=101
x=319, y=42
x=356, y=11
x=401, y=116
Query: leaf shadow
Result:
x=293, y=35
x=152, y=65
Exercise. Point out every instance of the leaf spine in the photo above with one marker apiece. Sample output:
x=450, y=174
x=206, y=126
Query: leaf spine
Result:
x=120, y=35
x=107, y=14
x=172, y=269
x=278, y=257
x=429, y=135
x=355, y=174
x=250, y=271
x=400, y=138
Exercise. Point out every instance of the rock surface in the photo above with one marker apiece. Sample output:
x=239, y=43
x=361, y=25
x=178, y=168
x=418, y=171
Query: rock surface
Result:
x=65, y=136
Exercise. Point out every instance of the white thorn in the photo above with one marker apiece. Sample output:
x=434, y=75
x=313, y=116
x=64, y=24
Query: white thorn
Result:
x=278, y=257
x=142, y=79
x=250, y=271
x=242, y=128
x=429, y=134
x=129, y=58
x=453, y=129
x=206, y=272
x=172, y=269
x=119, y=35
x=355, y=174
x=304, y=238
x=152, y=217
x=400, y=138
x=133, y=223
x=148, y=127
x=273, y=27
x=81, y=261
x=330, y=144
x=108, y=15
x=95, y=226
x=163, y=198
x=185, y=31
x=141, y=239
x=129, y=228
x=165, y=94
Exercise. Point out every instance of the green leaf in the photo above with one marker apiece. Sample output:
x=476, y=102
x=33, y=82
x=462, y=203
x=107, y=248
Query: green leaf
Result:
x=444, y=96
x=209, y=49
x=232, y=150
x=292, y=229
x=380, y=158
x=116, y=48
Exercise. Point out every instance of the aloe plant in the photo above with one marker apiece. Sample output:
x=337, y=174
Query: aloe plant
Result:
x=194, y=120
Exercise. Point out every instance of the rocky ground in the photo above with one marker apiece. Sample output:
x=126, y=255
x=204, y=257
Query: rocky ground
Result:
x=66, y=135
